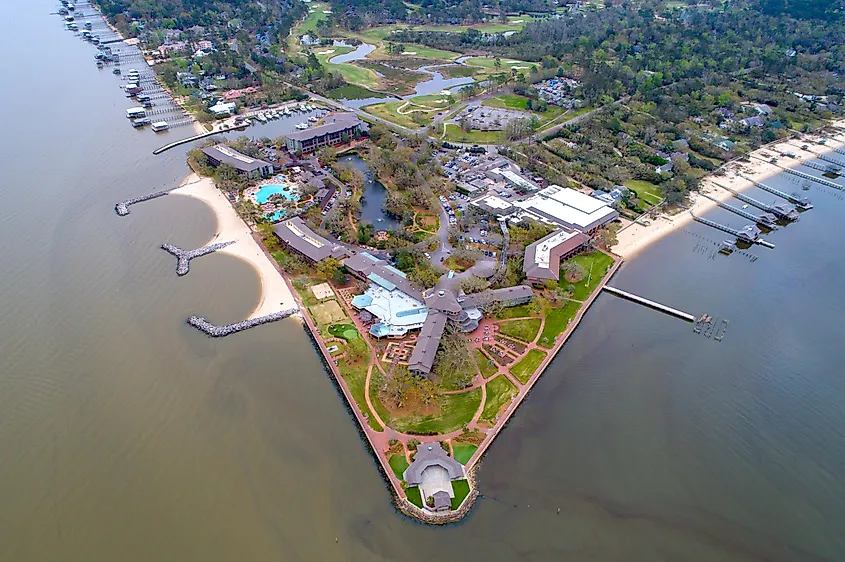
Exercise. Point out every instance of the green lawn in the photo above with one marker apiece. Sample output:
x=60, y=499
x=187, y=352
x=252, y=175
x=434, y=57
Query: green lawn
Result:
x=395, y=80
x=403, y=113
x=507, y=101
x=463, y=451
x=353, y=92
x=646, y=191
x=557, y=319
x=500, y=391
x=523, y=330
x=309, y=24
x=454, y=133
x=527, y=365
x=456, y=71
x=398, y=463
x=461, y=489
x=352, y=73
x=485, y=364
x=456, y=410
x=596, y=263
x=344, y=331
x=356, y=378
x=506, y=64
x=414, y=496
x=520, y=311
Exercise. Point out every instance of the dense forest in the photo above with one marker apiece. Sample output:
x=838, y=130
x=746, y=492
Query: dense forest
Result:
x=804, y=9
x=355, y=14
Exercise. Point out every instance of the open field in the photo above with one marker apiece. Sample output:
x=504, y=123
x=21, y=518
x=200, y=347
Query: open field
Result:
x=454, y=133
x=506, y=64
x=413, y=113
x=456, y=410
x=596, y=264
x=353, y=74
x=523, y=330
x=646, y=191
x=557, y=319
x=521, y=311
x=500, y=391
x=353, y=92
x=513, y=101
x=328, y=312
x=398, y=463
x=527, y=365
x=484, y=364
x=463, y=451
x=395, y=80
x=355, y=377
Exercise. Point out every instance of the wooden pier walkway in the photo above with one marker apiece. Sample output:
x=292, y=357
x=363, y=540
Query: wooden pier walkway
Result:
x=736, y=210
x=649, y=303
x=794, y=198
x=802, y=174
x=158, y=151
x=730, y=230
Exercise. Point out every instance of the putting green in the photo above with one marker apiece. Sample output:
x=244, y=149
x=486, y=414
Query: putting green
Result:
x=349, y=334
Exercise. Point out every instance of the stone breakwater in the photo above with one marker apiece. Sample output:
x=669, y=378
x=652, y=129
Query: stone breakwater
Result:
x=122, y=208
x=216, y=331
x=183, y=258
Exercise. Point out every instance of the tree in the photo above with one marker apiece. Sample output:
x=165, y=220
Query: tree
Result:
x=573, y=272
x=473, y=284
x=328, y=268
x=453, y=364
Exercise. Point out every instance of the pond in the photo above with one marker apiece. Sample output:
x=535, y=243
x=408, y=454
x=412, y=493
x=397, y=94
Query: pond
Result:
x=373, y=197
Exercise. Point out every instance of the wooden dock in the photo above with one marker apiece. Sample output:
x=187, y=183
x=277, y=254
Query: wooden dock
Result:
x=649, y=303
x=794, y=198
x=158, y=151
x=730, y=230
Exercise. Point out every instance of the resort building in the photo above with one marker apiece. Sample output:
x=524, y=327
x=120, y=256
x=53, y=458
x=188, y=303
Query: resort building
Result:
x=568, y=208
x=335, y=129
x=223, y=109
x=542, y=258
x=301, y=240
x=245, y=165
x=433, y=471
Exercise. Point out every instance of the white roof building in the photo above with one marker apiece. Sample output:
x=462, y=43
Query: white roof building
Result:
x=567, y=207
x=223, y=108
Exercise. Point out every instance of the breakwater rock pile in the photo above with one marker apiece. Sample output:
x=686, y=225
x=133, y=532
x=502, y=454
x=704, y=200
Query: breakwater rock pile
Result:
x=216, y=331
x=183, y=258
x=122, y=208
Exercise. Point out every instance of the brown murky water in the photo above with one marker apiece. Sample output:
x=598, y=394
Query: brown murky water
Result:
x=126, y=435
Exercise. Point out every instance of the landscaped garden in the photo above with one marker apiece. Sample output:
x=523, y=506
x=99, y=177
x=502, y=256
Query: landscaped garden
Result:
x=462, y=452
x=557, y=320
x=398, y=463
x=452, y=412
x=356, y=378
x=526, y=366
x=486, y=365
x=461, y=489
x=596, y=264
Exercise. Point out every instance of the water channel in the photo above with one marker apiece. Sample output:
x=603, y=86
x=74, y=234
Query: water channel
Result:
x=372, y=211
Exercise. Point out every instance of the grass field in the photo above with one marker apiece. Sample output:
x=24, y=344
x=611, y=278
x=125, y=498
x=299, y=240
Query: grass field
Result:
x=557, y=319
x=356, y=378
x=596, y=263
x=500, y=391
x=402, y=113
x=461, y=489
x=463, y=451
x=647, y=192
x=353, y=92
x=328, y=312
x=516, y=312
x=506, y=64
x=485, y=364
x=309, y=24
x=523, y=330
x=527, y=365
x=353, y=74
x=456, y=71
x=454, y=133
x=395, y=80
x=414, y=496
x=456, y=410
x=398, y=463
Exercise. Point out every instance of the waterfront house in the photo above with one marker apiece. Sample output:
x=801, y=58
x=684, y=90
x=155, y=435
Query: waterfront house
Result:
x=433, y=471
x=223, y=109
x=245, y=165
x=335, y=129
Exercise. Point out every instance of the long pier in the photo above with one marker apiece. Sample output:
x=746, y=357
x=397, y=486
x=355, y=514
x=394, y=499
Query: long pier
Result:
x=781, y=210
x=649, y=303
x=764, y=220
x=803, y=175
x=800, y=201
x=215, y=331
x=122, y=208
x=198, y=137
x=183, y=258
x=739, y=234
x=824, y=157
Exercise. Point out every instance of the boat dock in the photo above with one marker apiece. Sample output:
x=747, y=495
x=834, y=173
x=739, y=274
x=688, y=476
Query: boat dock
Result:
x=740, y=234
x=820, y=156
x=806, y=176
x=649, y=303
x=765, y=220
x=796, y=199
x=780, y=210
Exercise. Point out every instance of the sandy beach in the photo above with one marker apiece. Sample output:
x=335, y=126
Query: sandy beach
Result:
x=635, y=237
x=275, y=294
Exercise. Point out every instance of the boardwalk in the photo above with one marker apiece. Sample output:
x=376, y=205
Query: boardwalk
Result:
x=651, y=304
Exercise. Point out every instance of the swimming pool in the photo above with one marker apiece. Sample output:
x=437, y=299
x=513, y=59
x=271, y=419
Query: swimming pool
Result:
x=266, y=191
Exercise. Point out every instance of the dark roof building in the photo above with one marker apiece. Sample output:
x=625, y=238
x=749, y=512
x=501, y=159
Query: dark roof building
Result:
x=332, y=131
x=300, y=239
x=245, y=165
x=428, y=455
x=542, y=258
x=508, y=296
x=366, y=266
x=425, y=350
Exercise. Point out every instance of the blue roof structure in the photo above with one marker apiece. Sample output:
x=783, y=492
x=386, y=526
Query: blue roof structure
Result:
x=411, y=312
x=381, y=281
x=362, y=301
x=379, y=330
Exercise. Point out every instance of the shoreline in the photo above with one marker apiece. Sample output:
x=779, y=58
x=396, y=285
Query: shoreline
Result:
x=634, y=237
x=274, y=292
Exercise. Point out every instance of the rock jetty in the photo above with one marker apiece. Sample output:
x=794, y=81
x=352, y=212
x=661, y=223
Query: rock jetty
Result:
x=216, y=331
x=183, y=258
x=122, y=208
